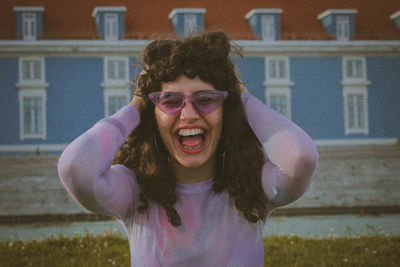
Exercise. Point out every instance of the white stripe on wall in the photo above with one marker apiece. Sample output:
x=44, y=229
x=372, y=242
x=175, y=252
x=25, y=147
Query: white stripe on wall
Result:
x=355, y=142
x=33, y=148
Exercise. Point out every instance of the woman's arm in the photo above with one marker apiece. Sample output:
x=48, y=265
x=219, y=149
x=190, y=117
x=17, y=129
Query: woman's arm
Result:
x=85, y=166
x=292, y=156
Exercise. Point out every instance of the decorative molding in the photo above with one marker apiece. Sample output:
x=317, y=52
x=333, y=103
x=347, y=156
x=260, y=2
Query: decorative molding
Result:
x=108, y=9
x=28, y=9
x=395, y=15
x=355, y=142
x=14, y=48
x=185, y=11
x=32, y=148
x=337, y=12
x=263, y=11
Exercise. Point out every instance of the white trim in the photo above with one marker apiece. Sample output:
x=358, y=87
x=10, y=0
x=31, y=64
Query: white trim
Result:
x=359, y=91
x=337, y=12
x=28, y=82
x=32, y=148
x=116, y=92
x=108, y=9
x=253, y=48
x=355, y=142
x=185, y=11
x=24, y=93
x=28, y=9
x=263, y=11
x=395, y=15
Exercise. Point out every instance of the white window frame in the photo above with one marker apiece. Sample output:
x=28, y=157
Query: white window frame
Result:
x=29, y=93
x=111, y=26
x=355, y=90
x=280, y=91
x=117, y=81
x=268, y=62
x=267, y=26
x=189, y=23
x=353, y=66
x=29, y=26
x=343, y=27
x=114, y=92
x=41, y=79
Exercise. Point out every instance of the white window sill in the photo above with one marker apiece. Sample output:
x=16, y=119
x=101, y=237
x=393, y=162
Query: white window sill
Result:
x=278, y=83
x=355, y=82
x=32, y=85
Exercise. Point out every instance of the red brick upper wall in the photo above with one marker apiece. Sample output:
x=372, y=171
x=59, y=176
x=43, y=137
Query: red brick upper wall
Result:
x=73, y=19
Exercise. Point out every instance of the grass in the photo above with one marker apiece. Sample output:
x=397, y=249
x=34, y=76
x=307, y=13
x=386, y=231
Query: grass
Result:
x=113, y=250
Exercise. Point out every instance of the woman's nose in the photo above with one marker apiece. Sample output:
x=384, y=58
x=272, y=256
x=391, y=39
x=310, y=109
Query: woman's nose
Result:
x=189, y=113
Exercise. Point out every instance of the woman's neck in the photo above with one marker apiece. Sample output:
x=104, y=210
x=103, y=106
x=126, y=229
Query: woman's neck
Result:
x=185, y=175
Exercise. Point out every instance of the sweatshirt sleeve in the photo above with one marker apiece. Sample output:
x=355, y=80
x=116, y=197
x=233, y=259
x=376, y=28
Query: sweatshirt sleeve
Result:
x=292, y=156
x=85, y=166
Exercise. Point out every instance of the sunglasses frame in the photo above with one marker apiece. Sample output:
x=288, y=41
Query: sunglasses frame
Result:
x=155, y=96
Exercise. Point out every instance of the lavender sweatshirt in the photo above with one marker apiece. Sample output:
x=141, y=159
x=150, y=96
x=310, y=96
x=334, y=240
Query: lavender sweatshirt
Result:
x=214, y=233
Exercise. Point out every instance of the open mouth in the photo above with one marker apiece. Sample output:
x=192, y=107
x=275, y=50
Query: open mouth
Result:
x=191, y=140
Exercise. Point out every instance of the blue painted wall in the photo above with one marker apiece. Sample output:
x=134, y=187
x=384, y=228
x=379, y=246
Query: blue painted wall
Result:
x=317, y=102
x=252, y=73
x=384, y=96
x=9, y=107
x=75, y=97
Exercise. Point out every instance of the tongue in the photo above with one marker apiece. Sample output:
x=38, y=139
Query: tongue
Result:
x=192, y=140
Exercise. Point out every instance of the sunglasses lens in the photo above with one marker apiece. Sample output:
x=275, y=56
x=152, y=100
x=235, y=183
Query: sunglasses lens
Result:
x=207, y=102
x=170, y=103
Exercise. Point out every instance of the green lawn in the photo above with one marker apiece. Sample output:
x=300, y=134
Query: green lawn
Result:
x=113, y=250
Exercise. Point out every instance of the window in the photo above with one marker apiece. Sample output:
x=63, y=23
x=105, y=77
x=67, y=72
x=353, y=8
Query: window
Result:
x=29, y=26
x=268, y=27
x=32, y=113
x=279, y=100
x=277, y=69
x=111, y=26
x=115, y=99
x=356, y=112
x=190, y=23
x=278, y=85
x=343, y=28
x=31, y=70
x=116, y=70
x=354, y=68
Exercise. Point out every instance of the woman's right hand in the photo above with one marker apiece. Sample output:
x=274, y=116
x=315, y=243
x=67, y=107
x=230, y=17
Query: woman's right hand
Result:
x=137, y=100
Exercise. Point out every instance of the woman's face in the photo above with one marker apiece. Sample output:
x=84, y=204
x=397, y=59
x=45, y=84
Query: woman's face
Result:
x=190, y=137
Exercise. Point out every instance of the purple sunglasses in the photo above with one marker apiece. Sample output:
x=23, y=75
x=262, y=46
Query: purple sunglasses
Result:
x=203, y=101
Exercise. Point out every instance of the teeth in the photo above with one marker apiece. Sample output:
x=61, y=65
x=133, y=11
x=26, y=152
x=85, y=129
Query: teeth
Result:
x=190, y=132
x=193, y=147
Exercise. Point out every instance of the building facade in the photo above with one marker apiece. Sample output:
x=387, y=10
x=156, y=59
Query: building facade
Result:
x=333, y=68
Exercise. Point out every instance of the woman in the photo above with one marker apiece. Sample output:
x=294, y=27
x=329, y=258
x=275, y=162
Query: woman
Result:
x=190, y=182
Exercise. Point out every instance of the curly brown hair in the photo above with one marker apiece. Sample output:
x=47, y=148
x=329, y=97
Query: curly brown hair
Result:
x=239, y=155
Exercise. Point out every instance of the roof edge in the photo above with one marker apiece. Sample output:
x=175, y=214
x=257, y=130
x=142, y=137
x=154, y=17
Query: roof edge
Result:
x=262, y=10
x=186, y=10
x=108, y=9
x=28, y=9
x=395, y=15
x=337, y=12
